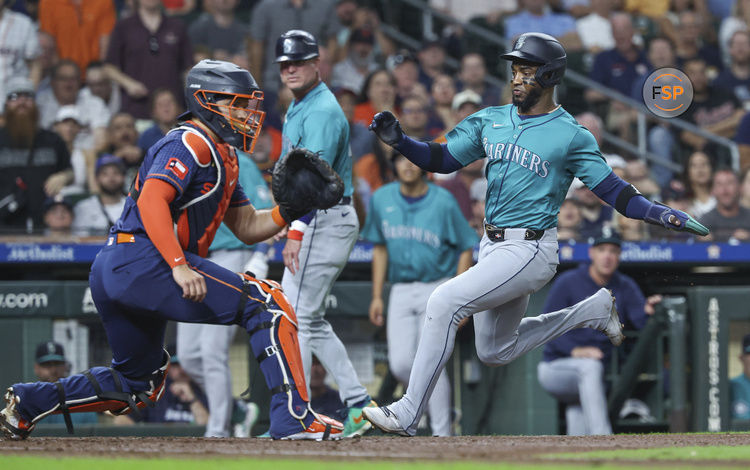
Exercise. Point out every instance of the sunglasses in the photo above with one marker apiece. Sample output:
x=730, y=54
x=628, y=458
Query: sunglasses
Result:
x=20, y=95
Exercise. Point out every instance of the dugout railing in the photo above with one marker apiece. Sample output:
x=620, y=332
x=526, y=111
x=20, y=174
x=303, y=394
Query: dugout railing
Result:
x=394, y=10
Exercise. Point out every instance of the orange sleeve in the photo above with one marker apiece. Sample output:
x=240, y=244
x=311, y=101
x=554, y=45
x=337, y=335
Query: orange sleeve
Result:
x=108, y=18
x=153, y=204
x=45, y=16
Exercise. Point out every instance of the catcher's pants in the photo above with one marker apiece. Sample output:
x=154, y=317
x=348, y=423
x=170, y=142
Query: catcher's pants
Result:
x=325, y=250
x=203, y=351
x=135, y=296
x=496, y=291
x=578, y=383
x=407, y=303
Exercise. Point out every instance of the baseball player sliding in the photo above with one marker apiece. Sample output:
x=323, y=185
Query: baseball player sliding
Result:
x=534, y=149
x=319, y=243
x=153, y=269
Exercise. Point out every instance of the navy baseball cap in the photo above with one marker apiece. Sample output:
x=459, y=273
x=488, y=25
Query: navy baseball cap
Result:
x=51, y=202
x=746, y=344
x=607, y=235
x=49, y=351
x=109, y=159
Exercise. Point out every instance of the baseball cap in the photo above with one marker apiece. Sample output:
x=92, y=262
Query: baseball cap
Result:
x=19, y=85
x=466, y=96
x=362, y=35
x=50, y=202
x=109, y=159
x=746, y=344
x=431, y=43
x=403, y=55
x=607, y=235
x=69, y=111
x=49, y=351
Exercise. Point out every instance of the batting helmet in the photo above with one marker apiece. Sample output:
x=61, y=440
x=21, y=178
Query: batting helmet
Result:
x=542, y=49
x=211, y=81
x=296, y=44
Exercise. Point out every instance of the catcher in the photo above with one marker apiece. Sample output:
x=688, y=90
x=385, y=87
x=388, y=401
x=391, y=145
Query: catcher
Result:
x=152, y=268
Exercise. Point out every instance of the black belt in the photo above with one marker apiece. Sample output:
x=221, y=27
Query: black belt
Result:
x=496, y=234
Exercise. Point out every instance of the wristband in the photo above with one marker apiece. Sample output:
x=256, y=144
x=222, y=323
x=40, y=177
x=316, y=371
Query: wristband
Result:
x=298, y=225
x=295, y=235
x=277, y=217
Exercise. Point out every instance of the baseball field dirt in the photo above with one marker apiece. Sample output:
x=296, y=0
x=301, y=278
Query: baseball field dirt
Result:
x=497, y=449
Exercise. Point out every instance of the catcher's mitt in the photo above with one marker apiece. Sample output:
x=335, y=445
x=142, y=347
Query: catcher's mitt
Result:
x=302, y=181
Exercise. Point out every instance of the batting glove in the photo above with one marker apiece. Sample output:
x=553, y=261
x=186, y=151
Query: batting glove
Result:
x=661, y=214
x=386, y=127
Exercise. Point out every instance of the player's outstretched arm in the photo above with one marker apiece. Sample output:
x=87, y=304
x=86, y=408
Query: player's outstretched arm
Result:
x=429, y=156
x=629, y=202
x=251, y=225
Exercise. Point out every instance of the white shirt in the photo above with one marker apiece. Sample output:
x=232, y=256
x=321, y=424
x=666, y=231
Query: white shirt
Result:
x=115, y=98
x=91, y=110
x=18, y=43
x=595, y=31
x=91, y=217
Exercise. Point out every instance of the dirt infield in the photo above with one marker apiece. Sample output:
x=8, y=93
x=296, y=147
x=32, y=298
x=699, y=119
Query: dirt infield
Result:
x=481, y=448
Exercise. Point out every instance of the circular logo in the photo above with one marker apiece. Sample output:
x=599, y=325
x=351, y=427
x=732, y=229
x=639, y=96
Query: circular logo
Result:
x=667, y=92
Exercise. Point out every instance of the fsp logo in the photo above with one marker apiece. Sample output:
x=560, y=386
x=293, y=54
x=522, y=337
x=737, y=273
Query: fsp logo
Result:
x=667, y=92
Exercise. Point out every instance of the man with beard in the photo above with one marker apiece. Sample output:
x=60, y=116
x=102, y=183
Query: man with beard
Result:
x=96, y=214
x=34, y=163
x=534, y=149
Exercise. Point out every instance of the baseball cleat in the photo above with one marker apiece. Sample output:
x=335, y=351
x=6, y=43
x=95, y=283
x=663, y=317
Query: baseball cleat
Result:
x=322, y=428
x=613, y=327
x=384, y=419
x=12, y=425
x=356, y=424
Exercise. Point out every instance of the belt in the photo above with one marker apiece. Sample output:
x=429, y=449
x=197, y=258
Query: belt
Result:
x=123, y=237
x=497, y=234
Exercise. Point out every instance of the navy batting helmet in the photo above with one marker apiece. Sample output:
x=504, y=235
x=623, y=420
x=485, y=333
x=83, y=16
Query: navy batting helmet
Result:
x=237, y=122
x=542, y=49
x=296, y=44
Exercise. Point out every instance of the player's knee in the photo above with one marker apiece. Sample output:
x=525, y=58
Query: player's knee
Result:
x=491, y=356
x=591, y=368
x=440, y=303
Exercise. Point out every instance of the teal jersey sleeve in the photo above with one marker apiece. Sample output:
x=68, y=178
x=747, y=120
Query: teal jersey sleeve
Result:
x=372, y=231
x=465, y=140
x=585, y=160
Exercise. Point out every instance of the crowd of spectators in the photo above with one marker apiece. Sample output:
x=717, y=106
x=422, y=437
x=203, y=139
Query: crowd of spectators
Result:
x=87, y=87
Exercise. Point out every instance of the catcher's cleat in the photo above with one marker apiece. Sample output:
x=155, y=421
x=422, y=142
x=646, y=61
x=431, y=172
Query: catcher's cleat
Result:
x=322, y=428
x=384, y=419
x=355, y=424
x=613, y=327
x=13, y=426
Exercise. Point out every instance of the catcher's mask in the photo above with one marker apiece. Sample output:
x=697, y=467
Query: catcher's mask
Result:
x=227, y=99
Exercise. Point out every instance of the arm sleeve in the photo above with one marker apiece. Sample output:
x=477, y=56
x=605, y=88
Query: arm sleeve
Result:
x=429, y=156
x=153, y=205
x=584, y=159
x=107, y=19
x=239, y=197
x=464, y=141
x=173, y=164
x=31, y=48
x=623, y=197
x=635, y=304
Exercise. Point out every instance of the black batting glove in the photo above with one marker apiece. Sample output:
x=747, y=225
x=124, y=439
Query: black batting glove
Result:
x=386, y=127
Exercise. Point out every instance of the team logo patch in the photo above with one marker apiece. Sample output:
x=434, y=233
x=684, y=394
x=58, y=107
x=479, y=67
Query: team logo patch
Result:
x=177, y=167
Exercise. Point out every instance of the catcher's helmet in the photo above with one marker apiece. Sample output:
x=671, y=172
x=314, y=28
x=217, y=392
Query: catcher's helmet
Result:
x=296, y=44
x=544, y=50
x=210, y=81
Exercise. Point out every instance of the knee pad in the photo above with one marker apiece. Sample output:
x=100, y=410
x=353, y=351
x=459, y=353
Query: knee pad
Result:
x=273, y=339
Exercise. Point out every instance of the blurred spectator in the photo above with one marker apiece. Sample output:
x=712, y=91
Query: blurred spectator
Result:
x=365, y=17
x=19, y=49
x=148, y=51
x=631, y=230
x=698, y=178
x=443, y=91
x=68, y=125
x=712, y=109
x=472, y=77
x=595, y=215
x=739, y=21
x=414, y=118
x=465, y=103
x=272, y=18
x=346, y=15
x=431, y=58
x=739, y=391
x=96, y=214
x=66, y=90
x=728, y=221
x=218, y=31
x=365, y=165
x=464, y=11
x=569, y=221
x=478, y=193
x=537, y=16
x=47, y=59
x=460, y=183
x=378, y=94
x=164, y=111
x=81, y=28
x=617, y=163
x=742, y=138
x=178, y=7
x=690, y=44
x=58, y=216
x=573, y=365
x=720, y=9
x=182, y=401
x=100, y=85
x=745, y=189
x=636, y=173
x=34, y=162
x=323, y=399
x=50, y=366
x=359, y=62
x=735, y=79
x=405, y=70
x=650, y=8
x=595, y=29
x=123, y=140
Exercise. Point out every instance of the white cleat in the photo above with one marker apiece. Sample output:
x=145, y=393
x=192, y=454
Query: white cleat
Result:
x=613, y=327
x=384, y=419
x=12, y=425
